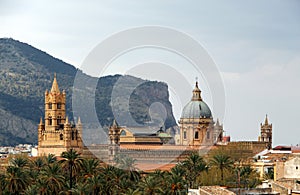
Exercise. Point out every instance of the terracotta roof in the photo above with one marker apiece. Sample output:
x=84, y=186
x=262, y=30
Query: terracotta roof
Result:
x=148, y=167
x=295, y=149
x=161, y=147
x=285, y=148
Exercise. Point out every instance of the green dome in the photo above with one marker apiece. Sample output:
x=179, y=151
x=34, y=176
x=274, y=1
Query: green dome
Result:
x=196, y=109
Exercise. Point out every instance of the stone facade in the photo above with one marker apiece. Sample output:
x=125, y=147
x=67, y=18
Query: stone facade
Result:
x=291, y=169
x=57, y=134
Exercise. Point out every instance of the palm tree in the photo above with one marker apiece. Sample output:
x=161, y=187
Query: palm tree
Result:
x=150, y=185
x=95, y=184
x=132, y=192
x=134, y=176
x=31, y=190
x=249, y=176
x=19, y=161
x=50, y=158
x=73, y=162
x=90, y=167
x=106, y=174
x=35, y=168
x=178, y=170
x=222, y=162
x=37, y=164
x=2, y=183
x=115, y=179
x=125, y=162
x=161, y=177
x=51, y=177
x=193, y=167
x=16, y=180
x=81, y=188
x=176, y=181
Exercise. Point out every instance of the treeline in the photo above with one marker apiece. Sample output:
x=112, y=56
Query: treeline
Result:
x=76, y=175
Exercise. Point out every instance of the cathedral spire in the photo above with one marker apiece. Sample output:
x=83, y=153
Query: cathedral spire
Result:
x=196, y=93
x=54, y=88
x=115, y=124
x=41, y=121
x=266, y=120
x=67, y=120
x=79, y=121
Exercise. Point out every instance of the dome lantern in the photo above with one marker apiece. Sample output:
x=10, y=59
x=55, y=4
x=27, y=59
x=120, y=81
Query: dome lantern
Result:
x=196, y=108
x=196, y=93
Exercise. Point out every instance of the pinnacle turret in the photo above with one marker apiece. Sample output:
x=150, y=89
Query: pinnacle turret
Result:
x=54, y=88
x=115, y=124
x=67, y=120
x=41, y=121
x=79, y=121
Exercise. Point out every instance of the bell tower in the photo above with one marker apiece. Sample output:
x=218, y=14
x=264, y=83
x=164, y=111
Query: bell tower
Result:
x=57, y=134
x=55, y=107
x=266, y=133
x=114, y=136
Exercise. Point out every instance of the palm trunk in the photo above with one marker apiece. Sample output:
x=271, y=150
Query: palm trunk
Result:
x=222, y=175
x=70, y=169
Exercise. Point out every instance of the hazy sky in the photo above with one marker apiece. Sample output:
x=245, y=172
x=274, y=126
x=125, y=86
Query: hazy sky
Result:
x=255, y=44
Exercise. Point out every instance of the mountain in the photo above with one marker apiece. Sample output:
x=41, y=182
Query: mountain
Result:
x=26, y=72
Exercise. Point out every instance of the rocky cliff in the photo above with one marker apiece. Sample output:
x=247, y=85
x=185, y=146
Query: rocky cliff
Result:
x=26, y=72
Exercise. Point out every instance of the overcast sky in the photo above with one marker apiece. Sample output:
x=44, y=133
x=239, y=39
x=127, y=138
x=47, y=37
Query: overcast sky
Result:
x=255, y=44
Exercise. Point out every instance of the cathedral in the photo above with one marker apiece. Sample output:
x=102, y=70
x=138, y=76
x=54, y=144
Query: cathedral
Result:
x=56, y=134
x=198, y=131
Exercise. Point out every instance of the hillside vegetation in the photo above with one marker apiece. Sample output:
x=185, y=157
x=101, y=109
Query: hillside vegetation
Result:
x=25, y=74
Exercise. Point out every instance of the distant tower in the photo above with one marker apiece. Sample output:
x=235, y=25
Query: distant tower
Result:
x=57, y=134
x=218, y=132
x=196, y=122
x=114, y=136
x=266, y=133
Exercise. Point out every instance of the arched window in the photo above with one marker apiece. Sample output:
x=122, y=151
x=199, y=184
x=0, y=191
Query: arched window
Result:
x=197, y=135
x=208, y=134
x=58, y=105
x=50, y=106
x=58, y=120
x=72, y=135
x=50, y=120
x=61, y=137
x=184, y=135
x=123, y=133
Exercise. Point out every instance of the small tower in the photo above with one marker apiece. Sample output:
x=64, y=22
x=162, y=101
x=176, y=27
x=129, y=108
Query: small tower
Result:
x=266, y=133
x=57, y=134
x=218, y=132
x=41, y=131
x=114, y=136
